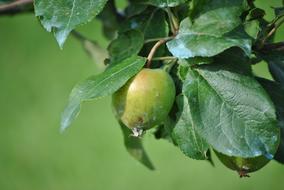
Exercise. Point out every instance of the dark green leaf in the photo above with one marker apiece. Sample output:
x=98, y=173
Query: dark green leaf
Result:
x=134, y=9
x=152, y=23
x=127, y=44
x=135, y=148
x=235, y=60
x=100, y=85
x=279, y=11
x=161, y=133
x=185, y=134
x=275, y=62
x=62, y=16
x=232, y=111
x=199, y=7
x=276, y=93
x=110, y=19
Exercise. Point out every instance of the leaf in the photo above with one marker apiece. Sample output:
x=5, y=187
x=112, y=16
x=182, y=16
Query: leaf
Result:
x=100, y=85
x=279, y=11
x=212, y=32
x=252, y=28
x=275, y=62
x=235, y=60
x=135, y=148
x=199, y=7
x=185, y=134
x=134, y=9
x=127, y=44
x=151, y=22
x=276, y=92
x=232, y=111
x=162, y=3
x=110, y=19
x=62, y=16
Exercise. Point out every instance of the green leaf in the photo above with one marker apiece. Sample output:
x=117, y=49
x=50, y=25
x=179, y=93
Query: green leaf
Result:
x=276, y=92
x=62, y=16
x=199, y=7
x=252, y=28
x=127, y=44
x=212, y=32
x=279, y=11
x=185, y=134
x=232, y=111
x=275, y=62
x=110, y=19
x=134, y=9
x=162, y=3
x=100, y=85
x=135, y=148
x=235, y=59
x=152, y=23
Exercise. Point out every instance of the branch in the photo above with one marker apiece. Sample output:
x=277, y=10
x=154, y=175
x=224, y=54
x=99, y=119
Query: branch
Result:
x=18, y=6
x=273, y=26
x=269, y=47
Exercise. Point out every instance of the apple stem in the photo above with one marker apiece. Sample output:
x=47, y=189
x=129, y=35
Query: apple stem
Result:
x=243, y=173
x=157, y=39
x=155, y=48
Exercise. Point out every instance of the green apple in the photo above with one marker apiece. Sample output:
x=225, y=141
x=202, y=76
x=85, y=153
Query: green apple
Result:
x=145, y=100
x=243, y=165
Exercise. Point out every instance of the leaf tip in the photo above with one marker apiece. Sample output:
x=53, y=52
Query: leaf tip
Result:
x=61, y=36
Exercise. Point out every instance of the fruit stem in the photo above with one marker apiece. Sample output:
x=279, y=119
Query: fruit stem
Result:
x=243, y=173
x=155, y=48
x=157, y=39
x=164, y=58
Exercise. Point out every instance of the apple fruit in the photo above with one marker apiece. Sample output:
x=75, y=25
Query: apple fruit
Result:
x=243, y=165
x=145, y=100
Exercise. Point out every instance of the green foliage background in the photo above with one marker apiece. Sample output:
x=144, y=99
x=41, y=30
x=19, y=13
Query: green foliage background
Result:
x=35, y=80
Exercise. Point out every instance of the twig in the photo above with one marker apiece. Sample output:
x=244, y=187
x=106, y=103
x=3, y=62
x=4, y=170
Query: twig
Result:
x=15, y=7
x=275, y=25
x=268, y=47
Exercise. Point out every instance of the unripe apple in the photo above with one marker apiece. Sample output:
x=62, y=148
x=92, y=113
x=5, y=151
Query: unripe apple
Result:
x=243, y=165
x=145, y=100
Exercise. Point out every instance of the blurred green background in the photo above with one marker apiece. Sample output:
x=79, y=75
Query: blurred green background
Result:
x=35, y=80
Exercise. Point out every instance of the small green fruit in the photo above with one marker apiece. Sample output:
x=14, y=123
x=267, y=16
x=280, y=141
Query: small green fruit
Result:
x=145, y=100
x=243, y=165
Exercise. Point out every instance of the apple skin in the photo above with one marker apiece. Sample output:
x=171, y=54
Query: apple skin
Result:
x=145, y=100
x=243, y=165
